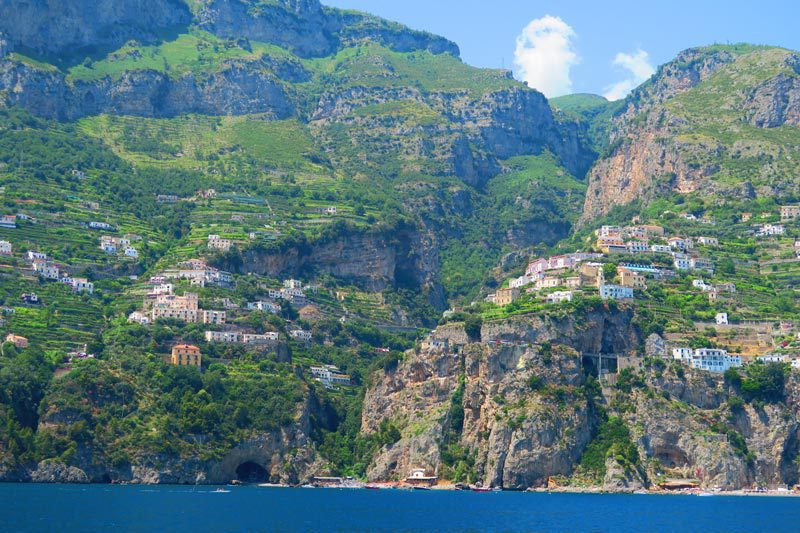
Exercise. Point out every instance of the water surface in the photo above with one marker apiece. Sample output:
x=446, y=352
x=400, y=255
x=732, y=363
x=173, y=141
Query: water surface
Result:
x=96, y=508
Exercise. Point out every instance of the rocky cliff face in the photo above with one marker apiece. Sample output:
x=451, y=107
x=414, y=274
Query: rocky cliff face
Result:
x=75, y=27
x=527, y=415
x=455, y=132
x=405, y=258
x=81, y=26
x=669, y=136
x=519, y=434
x=239, y=88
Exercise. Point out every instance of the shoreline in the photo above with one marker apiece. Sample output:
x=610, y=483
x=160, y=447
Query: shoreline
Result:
x=450, y=487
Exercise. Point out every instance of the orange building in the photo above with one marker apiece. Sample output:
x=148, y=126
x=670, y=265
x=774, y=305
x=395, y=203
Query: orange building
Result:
x=186, y=355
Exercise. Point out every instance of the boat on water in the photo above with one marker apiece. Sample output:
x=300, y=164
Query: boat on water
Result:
x=221, y=491
x=420, y=487
x=482, y=489
x=372, y=487
x=706, y=494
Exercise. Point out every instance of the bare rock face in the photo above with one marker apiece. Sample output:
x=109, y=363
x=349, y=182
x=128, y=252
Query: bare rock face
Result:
x=374, y=260
x=52, y=471
x=239, y=88
x=620, y=478
x=72, y=26
x=525, y=417
x=776, y=102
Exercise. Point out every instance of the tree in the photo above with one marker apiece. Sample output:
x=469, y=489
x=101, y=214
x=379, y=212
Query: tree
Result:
x=472, y=326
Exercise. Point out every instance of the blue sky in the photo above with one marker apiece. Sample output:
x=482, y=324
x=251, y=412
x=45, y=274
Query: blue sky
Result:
x=599, y=47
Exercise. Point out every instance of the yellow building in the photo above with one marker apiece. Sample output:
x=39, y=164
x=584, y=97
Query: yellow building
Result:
x=505, y=296
x=186, y=355
x=631, y=279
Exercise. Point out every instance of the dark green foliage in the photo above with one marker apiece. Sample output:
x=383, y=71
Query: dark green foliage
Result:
x=472, y=326
x=613, y=440
x=764, y=382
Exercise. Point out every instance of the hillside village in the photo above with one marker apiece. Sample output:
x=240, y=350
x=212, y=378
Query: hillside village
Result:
x=639, y=263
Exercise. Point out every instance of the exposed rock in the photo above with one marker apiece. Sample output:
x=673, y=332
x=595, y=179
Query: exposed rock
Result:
x=373, y=260
x=520, y=434
x=776, y=102
x=53, y=471
x=620, y=478
x=654, y=346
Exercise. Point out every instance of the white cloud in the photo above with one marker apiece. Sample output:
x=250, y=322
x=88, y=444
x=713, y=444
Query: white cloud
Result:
x=639, y=70
x=544, y=55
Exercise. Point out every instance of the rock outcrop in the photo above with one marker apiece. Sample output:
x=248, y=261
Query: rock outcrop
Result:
x=525, y=416
x=374, y=260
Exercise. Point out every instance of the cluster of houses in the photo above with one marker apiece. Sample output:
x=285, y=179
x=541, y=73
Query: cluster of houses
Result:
x=718, y=360
x=49, y=270
x=197, y=272
x=714, y=290
x=161, y=302
x=769, y=230
x=119, y=245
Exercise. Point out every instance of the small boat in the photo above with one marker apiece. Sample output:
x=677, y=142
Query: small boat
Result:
x=481, y=489
x=706, y=494
x=307, y=486
x=420, y=487
x=221, y=491
x=372, y=487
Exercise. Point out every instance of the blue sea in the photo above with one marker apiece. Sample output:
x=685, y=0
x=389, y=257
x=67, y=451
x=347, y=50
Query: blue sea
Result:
x=99, y=508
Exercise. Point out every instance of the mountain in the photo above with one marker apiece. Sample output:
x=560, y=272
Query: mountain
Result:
x=716, y=122
x=300, y=192
x=361, y=100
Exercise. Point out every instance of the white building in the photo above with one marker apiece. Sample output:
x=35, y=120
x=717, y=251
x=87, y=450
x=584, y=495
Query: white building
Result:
x=773, y=358
x=267, y=307
x=714, y=360
x=330, y=375
x=637, y=247
x=46, y=269
x=615, y=292
x=559, y=296
x=137, y=317
x=100, y=225
x=520, y=282
x=6, y=248
x=682, y=263
x=300, y=335
x=708, y=241
x=293, y=284
x=660, y=248
x=80, y=284
x=682, y=354
x=36, y=256
x=8, y=221
x=722, y=319
x=770, y=230
x=131, y=252
x=226, y=337
x=253, y=339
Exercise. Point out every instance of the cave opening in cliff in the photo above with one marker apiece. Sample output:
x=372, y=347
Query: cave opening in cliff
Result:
x=251, y=472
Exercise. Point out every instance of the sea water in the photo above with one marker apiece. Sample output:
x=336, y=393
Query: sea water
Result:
x=107, y=508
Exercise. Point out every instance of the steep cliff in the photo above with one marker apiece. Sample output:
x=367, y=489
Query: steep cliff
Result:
x=715, y=121
x=517, y=408
x=526, y=413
